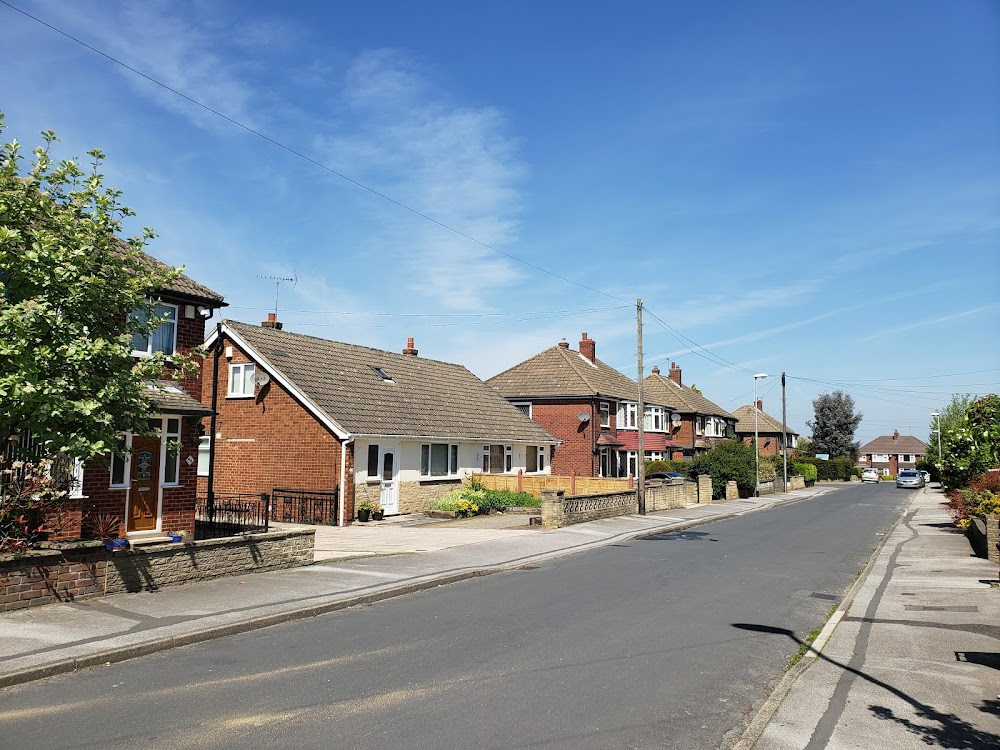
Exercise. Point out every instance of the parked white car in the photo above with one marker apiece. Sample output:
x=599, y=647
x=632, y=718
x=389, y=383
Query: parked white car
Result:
x=870, y=475
x=927, y=477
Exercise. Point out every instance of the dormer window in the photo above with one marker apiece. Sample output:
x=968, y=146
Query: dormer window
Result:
x=163, y=339
x=386, y=378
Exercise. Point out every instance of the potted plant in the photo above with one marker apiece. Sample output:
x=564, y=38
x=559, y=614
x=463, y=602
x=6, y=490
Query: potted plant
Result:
x=177, y=536
x=378, y=513
x=364, y=511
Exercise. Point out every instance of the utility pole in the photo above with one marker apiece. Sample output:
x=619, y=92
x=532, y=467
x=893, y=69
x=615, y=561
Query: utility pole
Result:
x=784, y=432
x=641, y=418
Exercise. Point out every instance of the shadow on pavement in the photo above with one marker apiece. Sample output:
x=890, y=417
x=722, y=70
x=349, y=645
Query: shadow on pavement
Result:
x=954, y=732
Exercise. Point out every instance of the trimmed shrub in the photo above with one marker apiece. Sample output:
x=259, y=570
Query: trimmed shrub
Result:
x=732, y=460
x=808, y=471
x=681, y=467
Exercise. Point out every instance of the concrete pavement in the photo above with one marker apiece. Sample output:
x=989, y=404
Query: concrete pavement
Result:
x=914, y=656
x=49, y=640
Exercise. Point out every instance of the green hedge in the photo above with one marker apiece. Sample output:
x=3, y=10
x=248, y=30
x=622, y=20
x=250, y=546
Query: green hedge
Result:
x=835, y=469
x=808, y=471
x=729, y=460
x=681, y=467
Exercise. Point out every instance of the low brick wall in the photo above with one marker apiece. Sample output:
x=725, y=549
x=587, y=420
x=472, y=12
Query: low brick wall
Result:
x=559, y=510
x=68, y=571
x=984, y=534
x=675, y=493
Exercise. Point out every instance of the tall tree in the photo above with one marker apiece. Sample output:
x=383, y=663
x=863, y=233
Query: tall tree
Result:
x=950, y=417
x=972, y=447
x=834, y=426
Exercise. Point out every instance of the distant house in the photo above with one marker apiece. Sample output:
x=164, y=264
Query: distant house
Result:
x=151, y=486
x=890, y=454
x=699, y=424
x=770, y=436
x=306, y=413
x=590, y=407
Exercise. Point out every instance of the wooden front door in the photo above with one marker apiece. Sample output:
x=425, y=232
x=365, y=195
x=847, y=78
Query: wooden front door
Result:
x=144, y=493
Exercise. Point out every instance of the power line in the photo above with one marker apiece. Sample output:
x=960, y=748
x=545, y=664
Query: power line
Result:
x=294, y=152
x=543, y=313
x=688, y=343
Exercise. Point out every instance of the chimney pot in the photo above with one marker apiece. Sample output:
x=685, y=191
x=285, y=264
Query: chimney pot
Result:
x=760, y=405
x=409, y=351
x=656, y=370
x=675, y=373
x=272, y=322
x=895, y=434
x=564, y=345
x=588, y=348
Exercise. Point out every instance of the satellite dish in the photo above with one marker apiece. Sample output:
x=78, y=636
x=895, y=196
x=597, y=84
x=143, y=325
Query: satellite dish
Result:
x=583, y=416
x=675, y=418
x=261, y=379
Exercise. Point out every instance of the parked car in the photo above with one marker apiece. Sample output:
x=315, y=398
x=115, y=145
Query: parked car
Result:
x=927, y=476
x=665, y=475
x=870, y=475
x=910, y=479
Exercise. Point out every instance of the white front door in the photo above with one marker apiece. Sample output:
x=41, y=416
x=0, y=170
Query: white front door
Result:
x=388, y=466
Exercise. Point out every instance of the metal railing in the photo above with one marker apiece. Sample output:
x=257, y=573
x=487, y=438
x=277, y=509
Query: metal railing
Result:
x=231, y=515
x=313, y=507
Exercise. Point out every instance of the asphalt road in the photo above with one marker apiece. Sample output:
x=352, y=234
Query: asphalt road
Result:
x=628, y=646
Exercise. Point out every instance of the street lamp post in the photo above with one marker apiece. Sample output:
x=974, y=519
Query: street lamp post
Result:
x=937, y=421
x=756, y=450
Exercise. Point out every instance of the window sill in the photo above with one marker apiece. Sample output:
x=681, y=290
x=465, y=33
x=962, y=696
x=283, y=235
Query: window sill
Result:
x=446, y=478
x=239, y=395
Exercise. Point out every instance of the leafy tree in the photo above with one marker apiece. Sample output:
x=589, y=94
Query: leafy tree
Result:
x=951, y=416
x=729, y=460
x=972, y=447
x=834, y=425
x=804, y=446
x=72, y=295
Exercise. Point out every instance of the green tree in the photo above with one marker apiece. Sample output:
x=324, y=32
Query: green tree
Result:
x=951, y=416
x=972, y=447
x=729, y=460
x=834, y=425
x=72, y=295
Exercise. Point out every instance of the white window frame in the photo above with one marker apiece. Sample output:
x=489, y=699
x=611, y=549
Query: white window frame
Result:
x=126, y=465
x=540, y=456
x=882, y=458
x=168, y=436
x=653, y=420
x=453, y=462
x=242, y=367
x=699, y=425
x=628, y=412
x=204, y=452
x=605, y=409
x=148, y=351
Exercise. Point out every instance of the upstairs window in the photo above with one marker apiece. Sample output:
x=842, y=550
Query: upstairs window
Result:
x=163, y=339
x=605, y=414
x=627, y=414
x=241, y=380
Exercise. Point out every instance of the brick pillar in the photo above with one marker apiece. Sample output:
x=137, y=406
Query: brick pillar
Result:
x=704, y=488
x=552, y=509
x=732, y=491
x=348, y=488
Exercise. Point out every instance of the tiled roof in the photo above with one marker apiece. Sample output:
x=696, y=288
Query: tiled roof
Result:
x=558, y=372
x=425, y=398
x=171, y=399
x=187, y=287
x=659, y=389
x=902, y=444
x=765, y=422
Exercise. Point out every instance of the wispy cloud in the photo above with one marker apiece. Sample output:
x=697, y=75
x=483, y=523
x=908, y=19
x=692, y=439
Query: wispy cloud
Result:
x=929, y=322
x=451, y=162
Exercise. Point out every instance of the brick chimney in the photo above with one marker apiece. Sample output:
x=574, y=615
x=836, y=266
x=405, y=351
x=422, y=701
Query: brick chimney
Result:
x=588, y=347
x=675, y=373
x=895, y=434
x=409, y=351
x=656, y=369
x=760, y=405
x=272, y=322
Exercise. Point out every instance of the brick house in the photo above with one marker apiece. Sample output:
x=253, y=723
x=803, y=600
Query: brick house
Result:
x=152, y=485
x=769, y=433
x=891, y=454
x=699, y=424
x=296, y=411
x=591, y=407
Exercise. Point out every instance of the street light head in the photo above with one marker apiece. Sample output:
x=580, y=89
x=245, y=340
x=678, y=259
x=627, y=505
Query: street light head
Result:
x=935, y=414
x=759, y=375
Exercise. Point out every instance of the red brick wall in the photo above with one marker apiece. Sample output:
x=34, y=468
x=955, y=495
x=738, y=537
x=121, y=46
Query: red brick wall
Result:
x=683, y=434
x=270, y=440
x=768, y=442
x=577, y=452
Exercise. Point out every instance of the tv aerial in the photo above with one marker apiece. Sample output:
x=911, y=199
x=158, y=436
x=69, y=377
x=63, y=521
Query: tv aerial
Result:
x=278, y=281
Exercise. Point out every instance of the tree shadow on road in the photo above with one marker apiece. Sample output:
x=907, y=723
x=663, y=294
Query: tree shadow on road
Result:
x=954, y=732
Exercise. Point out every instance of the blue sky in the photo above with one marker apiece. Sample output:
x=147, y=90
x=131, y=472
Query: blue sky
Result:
x=800, y=187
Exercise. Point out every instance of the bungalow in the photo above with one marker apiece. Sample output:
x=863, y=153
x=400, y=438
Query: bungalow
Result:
x=296, y=411
x=591, y=407
x=770, y=436
x=890, y=454
x=699, y=424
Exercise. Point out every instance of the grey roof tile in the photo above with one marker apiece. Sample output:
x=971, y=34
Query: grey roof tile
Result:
x=426, y=398
x=558, y=372
x=765, y=422
x=171, y=399
x=902, y=444
x=660, y=389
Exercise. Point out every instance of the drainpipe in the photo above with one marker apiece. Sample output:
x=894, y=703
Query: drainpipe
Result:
x=341, y=520
x=210, y=501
